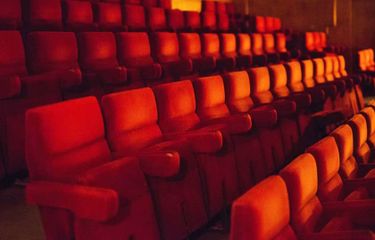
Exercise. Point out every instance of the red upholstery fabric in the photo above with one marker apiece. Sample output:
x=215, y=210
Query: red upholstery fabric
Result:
x=45, y=15
x=192, y=20
x=208, y=21
x=208, y=6
x=78, y=16
x=259, y=24
x=211, y=48
x=222, y=22
x=156, y=19
x=362, y=150
x=150, y=3
x=134, y=52
x=131, y=119
x=134, y=17
x=175, y=19
x=109, y=16
x=250, y=220
x=10, y=14
x=277, y=25
x=269, y=24
x=221, y=7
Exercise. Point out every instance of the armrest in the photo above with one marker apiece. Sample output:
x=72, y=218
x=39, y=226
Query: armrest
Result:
x=318, y=95
x=302, y=100
x=114, y=76
x=70, y=78
x=264, y=116
x=10, y=86
x=83, y=201
x=205, y=142
x=284, y=107
x=353, y=207
x=341, y=235
x=352, y=184
x=160, y=164
x=238, y=123
x=330, y=89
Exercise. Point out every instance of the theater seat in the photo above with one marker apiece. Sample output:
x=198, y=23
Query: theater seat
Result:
x=211, y=48
x=221, y=7
x=134, y=52
x=259, y=24
x=165, y=47
x=150, y=3
x=175, y=19
x=208, y=20
x=132, y=128
x=369, y=114
x=134, y=17
x=10, y=14
x=192, y=21
x=156, y=19
x=281, y=49
x=78, y=16
x=270, y=49
x=310, y=216
x=109, y=17
x=223, y=24
x=44, y=15
x=190, y=48
x=277, y=24
x=259, y=57
x=251, y=220
x=208, y=6
x=70, y=175
x=98, y=61
x=229, y=49
x=269, y=24
x=244, y=50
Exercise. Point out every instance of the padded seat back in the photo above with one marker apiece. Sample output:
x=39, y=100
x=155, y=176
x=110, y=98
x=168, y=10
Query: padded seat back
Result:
x=10, y=14
x=222, y=22
x=269, y=24
x=134, y=17
x=237, y=87
x=12, y=54
x=281, y=42
x=279, y=80
x=244, y=43
x=78, y=15
x=165, y=47
x=319, y=70
x=190, y=45
x=259, y=24
x=328, y=64
x=260, y=85
x=309, y=41
x=131, y=120
x=294, y=72
x=228, y=44
x=211, y=44
x=342, y=66
x=64, y=139
x=208, y=21
x=362, y=150
x=44, y=15
x=257, y=44
x=175, y=19
x=192, y=20
x=156, y=19
x=109, y=16
x=308, y=73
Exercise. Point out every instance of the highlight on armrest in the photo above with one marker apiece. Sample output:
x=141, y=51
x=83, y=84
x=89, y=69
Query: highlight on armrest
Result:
x=83, y=201
x=160, y=164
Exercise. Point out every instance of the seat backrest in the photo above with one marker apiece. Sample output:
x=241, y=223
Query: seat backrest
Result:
x=175, y=19
x=97, y=50
x=131, y=120
x=260, y=85
x=345, y=142
x=208, y=6
x=190, y=45
x=361, y=148
x=210, y=44
x=55, y=150
x=222, y=22
x=221, y=7
x=210, y=97
x=281, y=42
x=228, y=44
x=342, y=66
x=244, y=43
x=208, y=21
x=279, y=80
x=327, y=156
x=12, y=54
x=133, y=49
x=369, y=114
x=336, y=67
x=259, y=24
x=301, y=178
x=257, y=43
x=192, y=20
x=251, y=220
x=78, y=15
x=45, y=14
x=323, y=40
x=294, y=72
x=309, y=41
x=269, y=43
x=319, y=71
x=134, y=17
x=308, y=73
x=165, y=46
x=109, y=16
x=10, y=14
x=317, y=41
x=150, y=3
x=176, y=106
x=156, y=19
x=134, y=2
x=328, y=69
x=51, y=51
x=269, y=24
x=277, y=24
x=230, y=8
x=237, y=91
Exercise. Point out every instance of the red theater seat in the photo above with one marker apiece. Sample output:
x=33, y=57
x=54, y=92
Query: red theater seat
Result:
x=281, y=47
x=109, y=16
x=98, y=60
x=134, y=52
x=259, y=24
x=211, y=48
x=269, y=24
x=221, y=7
x=259, y=56
x=223, y=23
x=44, y=15
x=244, y=50
x=208, y=6
x=156, y=19
x=369, y=114
x=150, y=3
x=229, y=49
x=134, y=17
x=78, y=16
x=190, y=48
x=270, y=48
x=10, y=14
x=166, y=51
x=309, y=216
x=251, y=220
x=72, y=174
x=192, y=21
x=176, y=20
x=208, y=20
x=132, y=128
x=277, y=25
